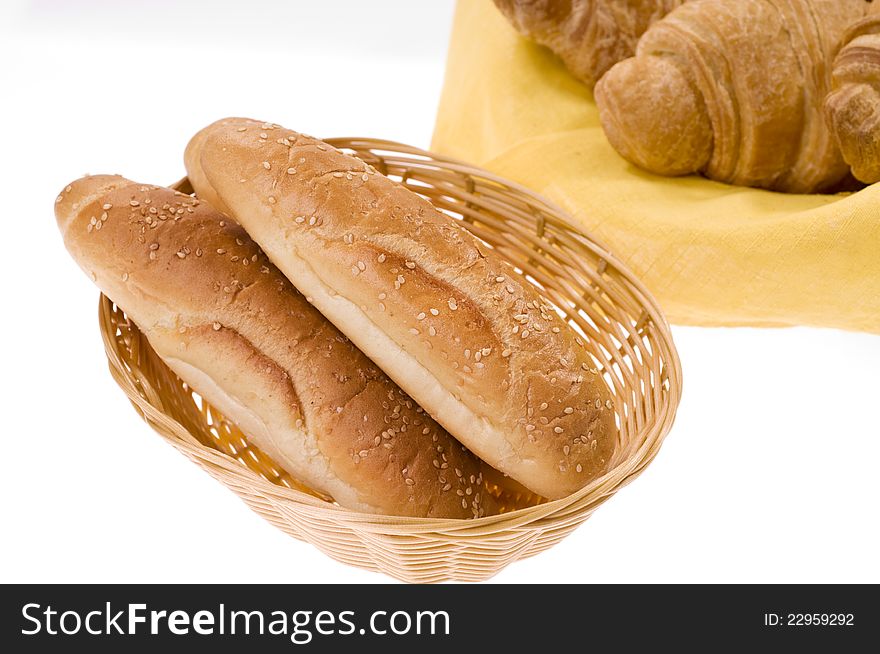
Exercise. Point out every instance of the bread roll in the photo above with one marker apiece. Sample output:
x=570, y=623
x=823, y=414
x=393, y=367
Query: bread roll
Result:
x=233, y=328
x=438, y=311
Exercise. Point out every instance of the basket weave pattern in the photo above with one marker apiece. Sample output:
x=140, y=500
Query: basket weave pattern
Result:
x=626, y=334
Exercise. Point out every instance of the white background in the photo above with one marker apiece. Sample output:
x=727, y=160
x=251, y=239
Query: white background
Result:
x=769, y=474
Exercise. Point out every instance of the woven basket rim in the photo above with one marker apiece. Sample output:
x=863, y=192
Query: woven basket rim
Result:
x=599, y=489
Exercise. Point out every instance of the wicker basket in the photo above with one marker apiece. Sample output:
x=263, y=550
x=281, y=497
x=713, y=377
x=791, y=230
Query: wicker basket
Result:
x=627, y=335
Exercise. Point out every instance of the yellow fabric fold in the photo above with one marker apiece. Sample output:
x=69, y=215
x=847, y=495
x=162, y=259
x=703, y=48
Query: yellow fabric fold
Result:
x=712, y=254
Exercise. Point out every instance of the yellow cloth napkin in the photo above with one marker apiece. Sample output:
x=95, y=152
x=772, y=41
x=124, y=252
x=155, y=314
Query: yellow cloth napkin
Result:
x=712, y=254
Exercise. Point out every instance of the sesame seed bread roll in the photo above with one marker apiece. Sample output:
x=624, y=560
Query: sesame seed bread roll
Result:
x=232, y=327
x=437, y=310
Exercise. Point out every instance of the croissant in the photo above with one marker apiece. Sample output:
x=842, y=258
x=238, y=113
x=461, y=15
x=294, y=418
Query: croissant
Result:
x=853, y=106
x=590, y=36
x=733, y=89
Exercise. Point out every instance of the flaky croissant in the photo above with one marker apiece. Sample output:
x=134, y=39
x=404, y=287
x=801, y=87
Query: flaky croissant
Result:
x=733, y=89
x=590, y=36
x=853, y=107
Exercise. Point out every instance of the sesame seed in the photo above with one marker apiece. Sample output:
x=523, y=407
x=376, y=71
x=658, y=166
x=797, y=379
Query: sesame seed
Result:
x=435, y=312
x=421, y=316
x=382, y=296
x=272, y=199
x=453, y=304
x=410, y=265
x=558, y=430
x=505, y=353
x=414, y=331
x=530, y=427
x=107, y=206
x=525, y=333
x=219, y=250
x=568, y=410
x=300, y=219
x=216, y=326
x=432, y=331
x=381, y=258
x=135, y=203
x=291, y=171
x=409, y=481
x=125, y=277
x=608, y=404
x=312, y=220
x=338, y=174
x=242, y=129
x=361, y=266
x=499, y=279
x=566, y=450
x=509, y=289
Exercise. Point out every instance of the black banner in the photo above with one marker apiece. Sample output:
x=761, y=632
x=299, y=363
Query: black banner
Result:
x=321, y=618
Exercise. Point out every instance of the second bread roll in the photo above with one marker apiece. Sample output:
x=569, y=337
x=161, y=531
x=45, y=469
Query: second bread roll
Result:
x=442, y=314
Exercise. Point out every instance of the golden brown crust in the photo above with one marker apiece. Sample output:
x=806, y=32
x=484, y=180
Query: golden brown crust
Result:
x=853, y=106
x=441, y=313
x=747, y=82
x=590, y=36
x=229, y=323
